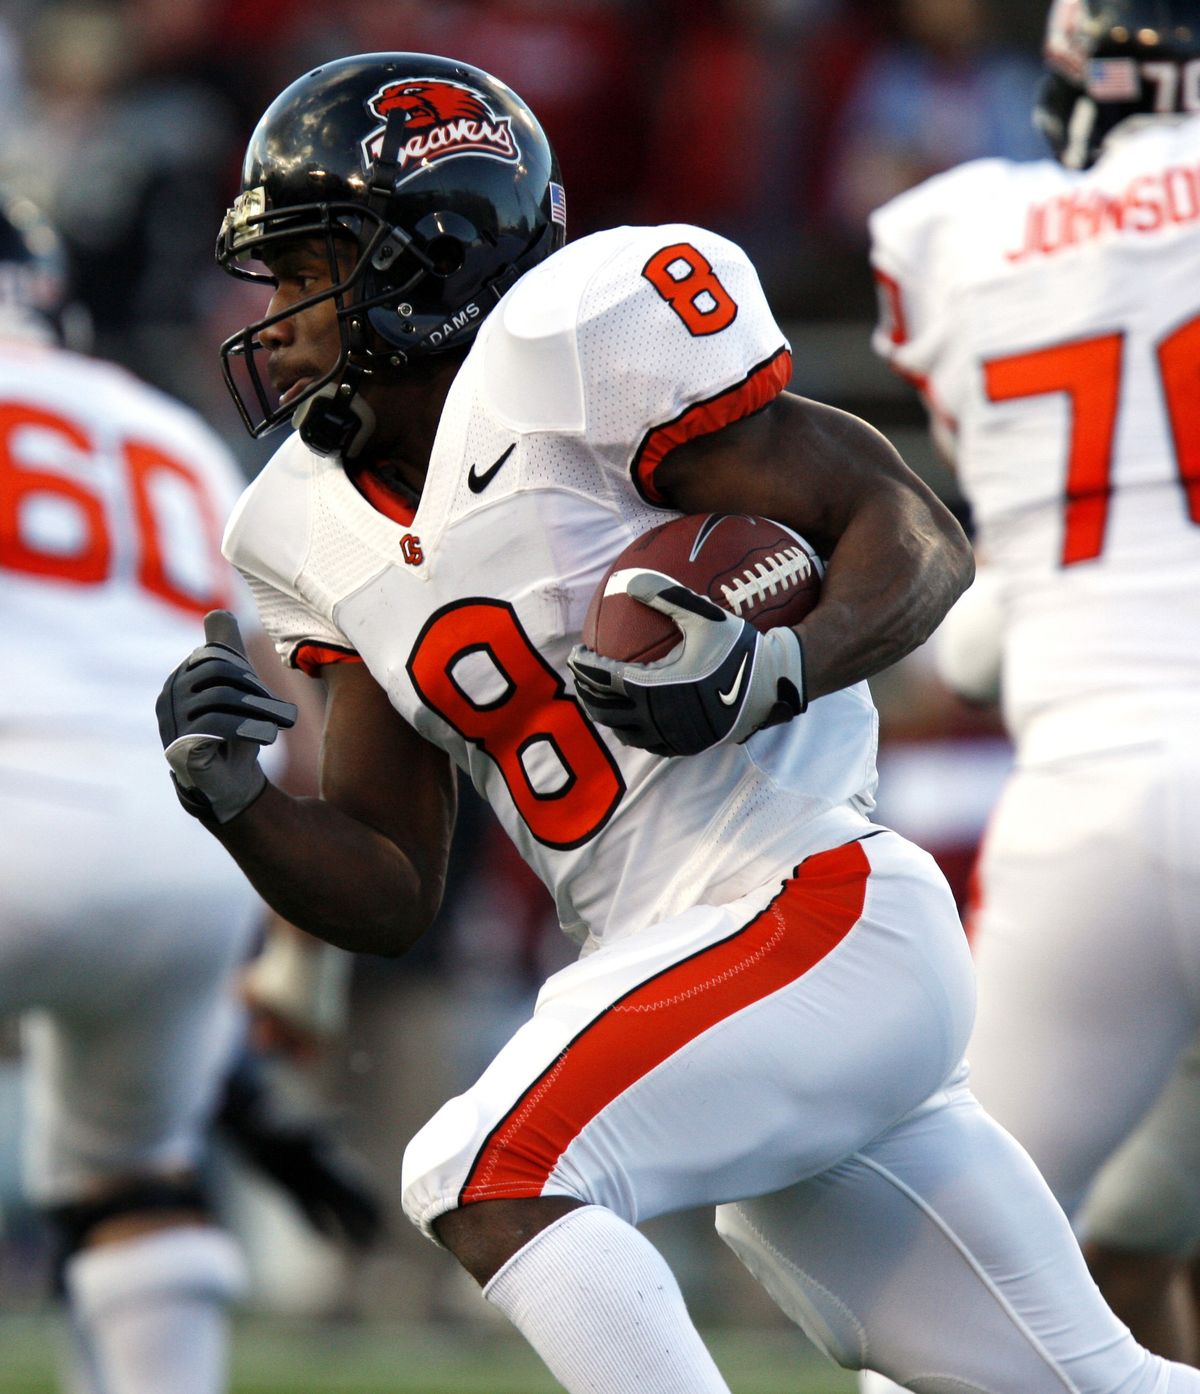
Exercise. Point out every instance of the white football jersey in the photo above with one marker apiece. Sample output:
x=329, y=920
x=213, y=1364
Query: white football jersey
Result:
x=122, y=922
x=113, y=499
x=1051, y=319
x=597, y=363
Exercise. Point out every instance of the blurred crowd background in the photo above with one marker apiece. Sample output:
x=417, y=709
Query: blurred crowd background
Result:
x=780, y=123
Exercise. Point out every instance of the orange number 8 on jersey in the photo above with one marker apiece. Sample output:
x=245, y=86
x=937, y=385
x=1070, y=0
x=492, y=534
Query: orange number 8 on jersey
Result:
x=529, y=712
x=686, y=281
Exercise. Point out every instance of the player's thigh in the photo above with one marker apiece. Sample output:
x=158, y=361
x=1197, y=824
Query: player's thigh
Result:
x=104, y=889
x=1146, y=1198
x=56, y=861
x=723, y=1053
x=123, y=1095
x=125, y=1046
x=1084, y=1004
x=938, y=1257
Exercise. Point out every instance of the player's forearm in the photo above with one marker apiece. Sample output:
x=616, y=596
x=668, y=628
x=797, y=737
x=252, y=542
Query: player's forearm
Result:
x=331, y=874
x=900, y=564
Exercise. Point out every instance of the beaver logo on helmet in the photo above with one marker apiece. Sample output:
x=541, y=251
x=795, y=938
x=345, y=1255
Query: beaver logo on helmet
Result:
x=441, y=119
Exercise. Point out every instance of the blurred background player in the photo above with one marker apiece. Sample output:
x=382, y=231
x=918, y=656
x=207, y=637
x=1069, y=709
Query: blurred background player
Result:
x=119, y=935
x=121, y=929
x=1049, y=314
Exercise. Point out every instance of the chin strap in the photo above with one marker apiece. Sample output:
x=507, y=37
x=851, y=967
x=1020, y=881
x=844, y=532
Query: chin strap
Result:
x=335, y=420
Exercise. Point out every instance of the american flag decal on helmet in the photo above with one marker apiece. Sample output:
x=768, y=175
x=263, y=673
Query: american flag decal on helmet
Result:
x=558, y=204
x=1113, y=80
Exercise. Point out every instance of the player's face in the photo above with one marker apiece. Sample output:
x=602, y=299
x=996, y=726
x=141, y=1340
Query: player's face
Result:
x=304, y=345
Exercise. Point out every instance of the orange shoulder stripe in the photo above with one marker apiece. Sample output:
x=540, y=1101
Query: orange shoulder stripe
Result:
x=760, y=387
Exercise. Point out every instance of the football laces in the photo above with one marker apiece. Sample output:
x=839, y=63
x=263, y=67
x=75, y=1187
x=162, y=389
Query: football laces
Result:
x=767, y=578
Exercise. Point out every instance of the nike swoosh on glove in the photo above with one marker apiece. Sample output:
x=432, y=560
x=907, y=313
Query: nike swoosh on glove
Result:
x=214, y=714
x=724, y=682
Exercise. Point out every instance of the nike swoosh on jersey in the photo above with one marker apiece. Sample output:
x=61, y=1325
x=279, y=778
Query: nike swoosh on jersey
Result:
x=478, y=482
x=730, y=697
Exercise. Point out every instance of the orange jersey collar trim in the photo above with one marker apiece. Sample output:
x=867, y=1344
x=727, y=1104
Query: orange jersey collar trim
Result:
x=310, y=657
x=383, y=499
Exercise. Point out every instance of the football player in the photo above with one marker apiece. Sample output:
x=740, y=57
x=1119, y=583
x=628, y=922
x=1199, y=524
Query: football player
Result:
x=125, y=958
x=1049, y=314
x=772, y=995
x=119, y=930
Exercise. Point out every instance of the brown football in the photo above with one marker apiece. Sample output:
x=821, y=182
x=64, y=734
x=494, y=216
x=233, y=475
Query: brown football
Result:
x=753, y=567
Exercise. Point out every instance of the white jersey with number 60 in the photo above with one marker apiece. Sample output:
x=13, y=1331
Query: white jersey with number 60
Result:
x=112, y=500
x=121, y=921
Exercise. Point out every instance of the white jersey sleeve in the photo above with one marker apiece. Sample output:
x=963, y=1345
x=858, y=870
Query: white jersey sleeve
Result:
x=968, y=648
x=269, y=538
x=635, y=340
x=916, y=259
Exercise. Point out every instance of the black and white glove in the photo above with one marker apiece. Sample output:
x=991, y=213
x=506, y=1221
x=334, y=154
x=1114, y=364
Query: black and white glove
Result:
x=723, y=683
x=213, y=716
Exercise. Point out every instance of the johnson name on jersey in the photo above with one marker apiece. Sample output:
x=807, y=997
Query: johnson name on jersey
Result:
x=596, y=364
x=1051, y=320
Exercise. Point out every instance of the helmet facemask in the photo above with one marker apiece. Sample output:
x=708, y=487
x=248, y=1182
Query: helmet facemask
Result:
x=361, y=253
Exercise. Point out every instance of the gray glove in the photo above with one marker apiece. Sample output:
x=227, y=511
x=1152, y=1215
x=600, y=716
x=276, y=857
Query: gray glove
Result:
x=213, y=715
x=723, y=683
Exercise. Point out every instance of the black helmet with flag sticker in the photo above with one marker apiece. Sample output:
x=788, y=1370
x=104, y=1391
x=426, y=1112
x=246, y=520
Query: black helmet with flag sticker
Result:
x=1110, y=60
x=432, y=187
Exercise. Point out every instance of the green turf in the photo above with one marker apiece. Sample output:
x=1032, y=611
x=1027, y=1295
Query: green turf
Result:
x=296, y=1357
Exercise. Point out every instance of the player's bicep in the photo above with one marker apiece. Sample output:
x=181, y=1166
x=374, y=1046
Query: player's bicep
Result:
x=798, y=461
x=377, y=769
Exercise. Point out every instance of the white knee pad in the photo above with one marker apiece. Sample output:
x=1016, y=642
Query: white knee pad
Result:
x=194, y=1260
x=429, y=1159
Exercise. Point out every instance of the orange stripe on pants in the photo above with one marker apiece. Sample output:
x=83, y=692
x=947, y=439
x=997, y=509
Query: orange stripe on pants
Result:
x=813, y=913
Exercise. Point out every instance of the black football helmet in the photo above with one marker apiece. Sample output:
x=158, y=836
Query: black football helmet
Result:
x=35, y=299
x=1109, y=60
x=432, y=187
